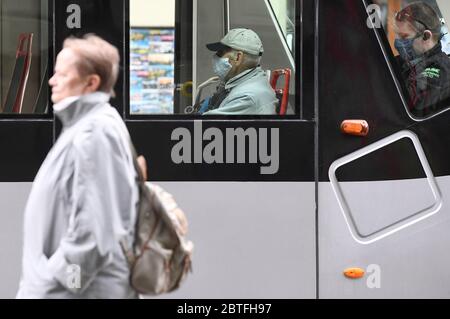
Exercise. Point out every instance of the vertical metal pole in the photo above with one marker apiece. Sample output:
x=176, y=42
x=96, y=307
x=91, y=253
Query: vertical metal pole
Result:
x=194, y=48
x=1, y=56
x=226, y=16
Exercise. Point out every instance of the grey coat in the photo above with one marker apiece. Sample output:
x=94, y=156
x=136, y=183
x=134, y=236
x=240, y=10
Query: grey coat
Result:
x=81, y=204
x=250, y=94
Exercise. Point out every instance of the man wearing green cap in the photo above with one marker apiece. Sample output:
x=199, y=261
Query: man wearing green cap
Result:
x=244, y=88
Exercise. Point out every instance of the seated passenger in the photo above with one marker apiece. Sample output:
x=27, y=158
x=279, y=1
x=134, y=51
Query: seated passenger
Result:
x=425, y=68
x=244, y=88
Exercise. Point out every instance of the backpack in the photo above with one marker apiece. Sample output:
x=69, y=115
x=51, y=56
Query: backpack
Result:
x=160, y=255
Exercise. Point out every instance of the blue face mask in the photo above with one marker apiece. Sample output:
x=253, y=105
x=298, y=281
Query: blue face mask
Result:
x=406, y=49
x=221, y=67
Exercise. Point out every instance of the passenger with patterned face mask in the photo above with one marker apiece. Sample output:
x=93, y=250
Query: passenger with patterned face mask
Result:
x=425, y=67
x=244, y=88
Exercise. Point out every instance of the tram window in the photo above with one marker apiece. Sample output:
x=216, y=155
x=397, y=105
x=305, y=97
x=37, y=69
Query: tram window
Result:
x=24, y=34
x=418, y=38
x=285, y=14
x=172, y=74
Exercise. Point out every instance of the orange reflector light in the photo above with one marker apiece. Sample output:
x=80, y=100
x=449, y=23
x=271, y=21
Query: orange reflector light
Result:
x=355, y=127
x=354, y=273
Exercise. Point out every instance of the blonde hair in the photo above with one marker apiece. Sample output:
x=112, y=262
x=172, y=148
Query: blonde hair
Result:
x=96, y=56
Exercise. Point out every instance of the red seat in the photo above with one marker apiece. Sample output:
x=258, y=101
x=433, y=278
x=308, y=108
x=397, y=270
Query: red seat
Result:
x=282, y=94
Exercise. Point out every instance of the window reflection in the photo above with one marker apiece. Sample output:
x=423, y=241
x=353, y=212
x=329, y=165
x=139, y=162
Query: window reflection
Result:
x=284, y=11
x=418, y=36
x=24, y=56
x=152, y=53
x=152, y=57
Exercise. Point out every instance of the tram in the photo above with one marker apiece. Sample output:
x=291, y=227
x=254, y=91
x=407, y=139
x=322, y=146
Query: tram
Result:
x=346, y=194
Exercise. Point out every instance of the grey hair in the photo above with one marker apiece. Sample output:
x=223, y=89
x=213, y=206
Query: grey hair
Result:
x=96, y=56
x=250, y=61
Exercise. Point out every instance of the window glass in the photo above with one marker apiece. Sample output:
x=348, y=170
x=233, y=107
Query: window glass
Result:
x=24, y=56
x=152, y=56
x=418, y=37
x=284, y=11
x=212, y=58
x=152, y=51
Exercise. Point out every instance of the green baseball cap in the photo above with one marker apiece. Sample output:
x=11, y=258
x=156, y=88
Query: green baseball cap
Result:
x=245, y=40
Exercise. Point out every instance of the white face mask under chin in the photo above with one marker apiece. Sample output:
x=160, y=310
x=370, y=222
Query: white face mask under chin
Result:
x=65, y=103
x=221, y=67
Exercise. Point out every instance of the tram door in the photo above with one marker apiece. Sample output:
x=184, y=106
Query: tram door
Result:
x=253, y=225
x=383, y=199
